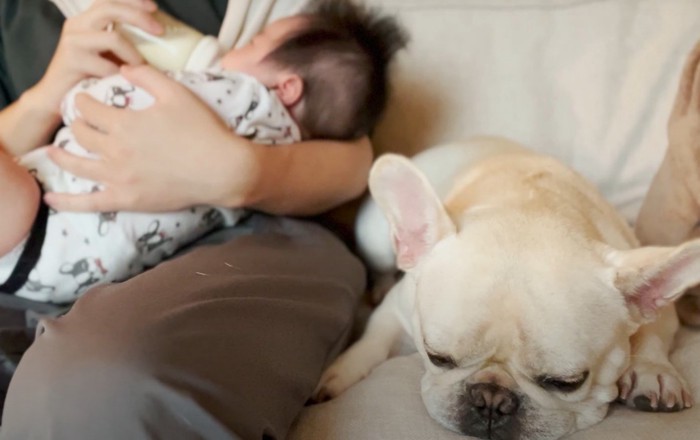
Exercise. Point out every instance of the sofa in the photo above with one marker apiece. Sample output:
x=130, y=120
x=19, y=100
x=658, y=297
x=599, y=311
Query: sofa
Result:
x=590, y=82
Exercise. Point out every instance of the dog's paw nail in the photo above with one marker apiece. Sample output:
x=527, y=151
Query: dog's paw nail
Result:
x=654, y=401
x=624, y=391
x=647, y=403
x=687, y=399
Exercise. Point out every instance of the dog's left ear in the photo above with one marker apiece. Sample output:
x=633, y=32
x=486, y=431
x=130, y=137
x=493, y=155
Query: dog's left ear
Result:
x=416, y=216
x=652, y=277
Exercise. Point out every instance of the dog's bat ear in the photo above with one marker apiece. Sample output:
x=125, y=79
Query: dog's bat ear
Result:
x=653, y=277
x=416, y=215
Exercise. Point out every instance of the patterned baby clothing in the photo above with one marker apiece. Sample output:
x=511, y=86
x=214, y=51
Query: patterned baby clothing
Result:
x=81, y=250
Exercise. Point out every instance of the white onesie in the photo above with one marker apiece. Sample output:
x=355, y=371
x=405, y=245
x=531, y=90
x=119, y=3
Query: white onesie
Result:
x=81, y=250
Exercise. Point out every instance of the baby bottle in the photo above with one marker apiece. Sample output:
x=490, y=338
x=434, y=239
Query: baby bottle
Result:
x=178, y=47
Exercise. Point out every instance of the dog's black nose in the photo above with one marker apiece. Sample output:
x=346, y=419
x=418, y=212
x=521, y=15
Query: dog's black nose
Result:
x=493, y=401
x=490, y=412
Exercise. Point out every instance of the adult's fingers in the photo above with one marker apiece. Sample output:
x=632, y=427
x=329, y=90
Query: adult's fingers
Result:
x=98, y=42
x=102, y=14
x=91, y=138
x=92, y=169
x=98, y=116
x=689, y=86
x=155, y=82
x=84, y=51
x=91, y=65
x=695, y=91
x=99, y=201
x=138, y=3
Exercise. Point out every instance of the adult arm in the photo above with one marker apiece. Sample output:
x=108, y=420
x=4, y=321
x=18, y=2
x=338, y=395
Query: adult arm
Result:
x=178, y=153
x=310, y=177
x=27, y=123
x=30, y=121
x=670, y=213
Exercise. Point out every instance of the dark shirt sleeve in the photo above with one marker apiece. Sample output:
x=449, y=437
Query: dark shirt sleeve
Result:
x=30, y=29
x=5, y=96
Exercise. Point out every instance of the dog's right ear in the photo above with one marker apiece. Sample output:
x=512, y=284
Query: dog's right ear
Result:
x=416, y=216
x=652, y=277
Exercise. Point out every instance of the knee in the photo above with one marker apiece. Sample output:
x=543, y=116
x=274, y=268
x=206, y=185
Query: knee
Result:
x=71, y=386
x=19, y=203
x=58, y=390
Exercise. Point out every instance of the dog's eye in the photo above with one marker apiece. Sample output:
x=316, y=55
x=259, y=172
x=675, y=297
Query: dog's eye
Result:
x=563, y=384
x=442, y=361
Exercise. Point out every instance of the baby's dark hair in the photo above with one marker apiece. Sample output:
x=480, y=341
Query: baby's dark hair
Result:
x=342, y=55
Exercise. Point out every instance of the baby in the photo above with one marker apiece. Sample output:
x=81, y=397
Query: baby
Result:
x=322, y=74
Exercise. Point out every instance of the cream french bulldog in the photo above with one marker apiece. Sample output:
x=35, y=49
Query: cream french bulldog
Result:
x=526, y=294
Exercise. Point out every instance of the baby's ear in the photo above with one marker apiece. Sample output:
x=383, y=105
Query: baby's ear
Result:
x=290, y=89
x=652, y=277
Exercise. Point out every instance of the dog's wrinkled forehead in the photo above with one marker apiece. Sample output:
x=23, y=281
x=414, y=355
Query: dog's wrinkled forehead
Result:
x=474, y=296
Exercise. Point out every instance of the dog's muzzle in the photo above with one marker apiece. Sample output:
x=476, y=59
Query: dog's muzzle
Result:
x=490, y=412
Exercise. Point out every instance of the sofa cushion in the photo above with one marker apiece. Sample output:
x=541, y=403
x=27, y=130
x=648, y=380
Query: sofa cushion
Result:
x=387, y=405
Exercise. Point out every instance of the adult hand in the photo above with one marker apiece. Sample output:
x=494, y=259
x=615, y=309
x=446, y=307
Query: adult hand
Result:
x=671, y=209
x=85, y=41
x=174, y=154
x=684, y=124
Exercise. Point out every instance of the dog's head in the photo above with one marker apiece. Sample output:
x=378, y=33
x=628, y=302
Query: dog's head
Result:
x=523, y=324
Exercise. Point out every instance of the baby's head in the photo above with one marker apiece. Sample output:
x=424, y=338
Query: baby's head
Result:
x=329, y=66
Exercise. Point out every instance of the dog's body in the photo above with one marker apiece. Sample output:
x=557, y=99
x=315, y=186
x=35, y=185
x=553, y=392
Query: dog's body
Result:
x=524, y=292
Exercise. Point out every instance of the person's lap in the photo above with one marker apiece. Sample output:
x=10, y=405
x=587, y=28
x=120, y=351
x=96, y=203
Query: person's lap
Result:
x=226, y=340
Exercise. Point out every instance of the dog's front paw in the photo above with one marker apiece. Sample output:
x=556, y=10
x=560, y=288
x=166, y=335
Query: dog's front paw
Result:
x=333, y=382
x=654, y=386
x=350, y=368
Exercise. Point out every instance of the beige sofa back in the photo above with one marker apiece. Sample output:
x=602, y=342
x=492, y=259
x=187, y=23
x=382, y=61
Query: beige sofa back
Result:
x=589, y=81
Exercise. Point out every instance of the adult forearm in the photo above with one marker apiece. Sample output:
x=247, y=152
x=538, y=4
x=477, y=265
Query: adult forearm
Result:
x=671, y=210
x=27, y=124
x=163, y=158
x=307, y=178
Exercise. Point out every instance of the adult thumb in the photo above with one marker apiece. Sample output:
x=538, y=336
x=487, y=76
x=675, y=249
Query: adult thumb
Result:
x=153, y=81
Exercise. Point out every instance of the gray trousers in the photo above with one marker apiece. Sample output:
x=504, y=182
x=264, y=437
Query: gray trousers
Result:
x=226, y=341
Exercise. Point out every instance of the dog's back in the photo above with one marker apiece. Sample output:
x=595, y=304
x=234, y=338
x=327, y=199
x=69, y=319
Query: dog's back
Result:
x=489, y=172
